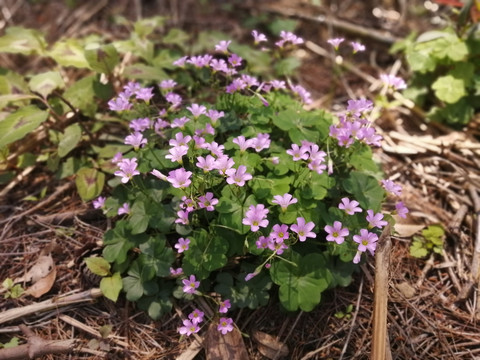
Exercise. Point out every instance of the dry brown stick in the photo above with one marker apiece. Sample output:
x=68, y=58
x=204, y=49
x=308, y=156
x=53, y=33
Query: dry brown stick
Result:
x=346, y=26
x=380, y=301
x=454, y=225
x=36, y=347
x=475, y=268
x=50, y=304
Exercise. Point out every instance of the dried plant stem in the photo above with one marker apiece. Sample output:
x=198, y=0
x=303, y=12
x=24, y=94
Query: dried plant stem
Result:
x=382, y=265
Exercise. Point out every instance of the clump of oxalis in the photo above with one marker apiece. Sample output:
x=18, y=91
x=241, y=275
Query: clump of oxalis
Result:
x=230, y=187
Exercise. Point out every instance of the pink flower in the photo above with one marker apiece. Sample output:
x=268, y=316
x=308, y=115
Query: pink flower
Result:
x=284, y=200
x=99, y=202
x=279, y=233
x=182, y=245
x=139, y=125
x=278, y=84
x=235, y=85
x=207, y=163
x=358, y=257
x=196, y=316
x=124, y=209
x=119, y=104
x=235, y=60
x=222, y=46
x=302, y=93
x=238, y=176
x=219, y=65
x=176, y=153
x=401, y=210
x=197, y=110
x=128, y=169
x=298, y=153
x=303, y=229
x=394, y=82
x=215, y=148
x=214, y=115
x=335, y=42
x=144, y=94
x=357, y=107
x=180, y=62
x=350, y=207
x=250, y=276
x=179, y=178
x=207, y=202
x=167, y=84
x=262, y=141
x=175, y=272
x=136, y=140
x=179, y=122
x=225, y=325
x=158, y=174
x=182, y=217
x=278, y=246
x=375, y=220
x=287, y=36
x=255, y=217
x=180, y=140
x=190, y=285
x=174, y=99
x=188, y=328
x=224, y=306
x=366, y=241
x=258, y=37
x=263, y=242
x=336, y=232
x=242, y=142
x=391, y=187
x=223, y=163
x=357, y=47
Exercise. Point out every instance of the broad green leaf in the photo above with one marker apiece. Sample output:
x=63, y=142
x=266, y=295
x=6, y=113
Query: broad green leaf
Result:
x=45, y=83
x=176, y=37
x=418, y=250
x=16, y=97
x=420, y=61
x=102, y=59
x=89, y=183
x=287, y=66
x=365, y=189
x=82, y=95
x=145, y=27
x=118, y=241
x=139, y=217
x=69, y=140
x=284, y=119
x=157, y=256
x=111, y=286
x=145, y=72
x=160, y=303
x=98, y=265
x=449, y=89
x=22, y=41
x=69, y=53
x=18, y=124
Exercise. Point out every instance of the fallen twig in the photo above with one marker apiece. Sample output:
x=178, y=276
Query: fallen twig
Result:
x=36, y=347
x=50, y=304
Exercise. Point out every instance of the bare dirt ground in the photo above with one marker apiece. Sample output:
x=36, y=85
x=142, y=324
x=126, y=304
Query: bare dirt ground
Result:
x=433, y=306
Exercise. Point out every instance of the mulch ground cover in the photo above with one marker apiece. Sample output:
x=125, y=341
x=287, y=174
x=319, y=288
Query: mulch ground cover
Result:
x=433, y=307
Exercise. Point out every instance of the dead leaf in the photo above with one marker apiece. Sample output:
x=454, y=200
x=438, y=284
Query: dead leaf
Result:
x=269, y=346
x=407, y=290
x=42, y=267
x=43, y=285
x=229, y=346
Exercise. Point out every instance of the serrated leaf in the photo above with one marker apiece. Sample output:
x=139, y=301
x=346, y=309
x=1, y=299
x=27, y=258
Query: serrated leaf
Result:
x=69, y=140
x=98, y=265
x=449, y=89
x=45, y=83
x=89, y=183
x=102, y=59
x=18, y=124
x=111, y=286
x=19, y=40
x=69, y=53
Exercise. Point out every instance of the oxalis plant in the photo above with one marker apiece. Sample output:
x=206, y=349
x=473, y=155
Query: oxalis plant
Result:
x=230, y=187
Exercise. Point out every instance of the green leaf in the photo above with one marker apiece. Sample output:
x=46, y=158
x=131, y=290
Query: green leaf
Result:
x=69, y=140
x=111, y=286
x=89, y=183
x=145, y=72
x=69, y=53
x=19, y=40
x=18, y=124
x=102, y=59
x=301, y=284
x=287, y=66
x=284, y=119
x=84, y=94
x=98, y=265
x=449, y=89
x=132, y=285
x=45, y=83
x=418, y=250
x=176, y=37
x=139, y=217
x=365, y=189
x=14, y=342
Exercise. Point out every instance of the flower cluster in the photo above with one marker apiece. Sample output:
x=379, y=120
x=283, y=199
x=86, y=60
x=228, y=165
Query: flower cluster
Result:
x=227, y=179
